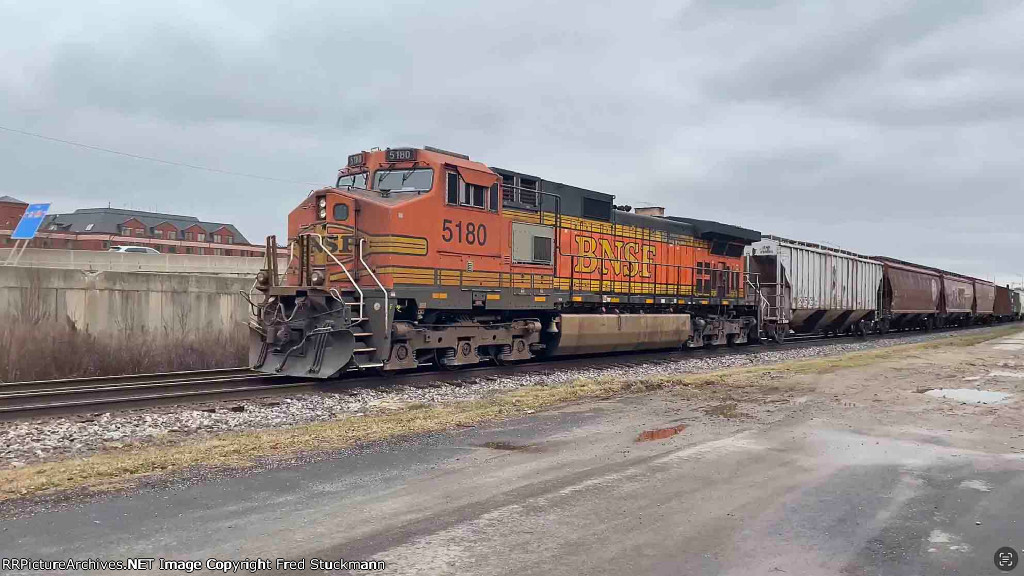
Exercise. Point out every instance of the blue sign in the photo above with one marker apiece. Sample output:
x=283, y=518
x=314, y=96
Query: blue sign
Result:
x=31, y=220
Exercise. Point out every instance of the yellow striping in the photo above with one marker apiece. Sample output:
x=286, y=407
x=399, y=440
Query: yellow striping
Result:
x=439, y=295
x=494, y=296
x=613, y=299
x=649, y=301
x=540, y=298
x=577, y=298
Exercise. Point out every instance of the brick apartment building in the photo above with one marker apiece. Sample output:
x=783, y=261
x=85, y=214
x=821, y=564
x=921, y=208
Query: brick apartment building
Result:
x=104, y=228
x=11, y=210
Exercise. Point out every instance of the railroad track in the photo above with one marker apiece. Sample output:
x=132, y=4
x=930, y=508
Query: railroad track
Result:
x=100, y=394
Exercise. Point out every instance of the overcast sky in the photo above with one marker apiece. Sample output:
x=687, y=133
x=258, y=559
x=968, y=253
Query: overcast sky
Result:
x=890, y=127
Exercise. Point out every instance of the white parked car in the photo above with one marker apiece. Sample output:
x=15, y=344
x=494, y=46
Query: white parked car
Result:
x=134, y=249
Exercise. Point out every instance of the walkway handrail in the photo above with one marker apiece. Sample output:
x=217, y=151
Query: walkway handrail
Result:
x=320, y=240
x=374, y=276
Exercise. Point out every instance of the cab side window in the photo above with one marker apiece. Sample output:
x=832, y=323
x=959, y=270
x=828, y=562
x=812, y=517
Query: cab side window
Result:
x=472, y=195
x=459, y=193
x=453, y=188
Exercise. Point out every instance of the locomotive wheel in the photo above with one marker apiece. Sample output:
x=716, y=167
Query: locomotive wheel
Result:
x=779, y=337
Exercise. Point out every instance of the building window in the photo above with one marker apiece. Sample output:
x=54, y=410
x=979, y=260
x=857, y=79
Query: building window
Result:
x=199, y=251
x=201, y=237
x=188, y=235
x=158, y=233
x=228, y=239
x=88, y=227
x=216, y=238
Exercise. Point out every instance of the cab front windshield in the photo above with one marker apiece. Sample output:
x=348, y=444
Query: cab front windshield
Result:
x=414, y=180
x=353, y=180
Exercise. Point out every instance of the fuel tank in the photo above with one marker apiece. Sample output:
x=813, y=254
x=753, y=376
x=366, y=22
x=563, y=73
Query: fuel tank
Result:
x=599, y=333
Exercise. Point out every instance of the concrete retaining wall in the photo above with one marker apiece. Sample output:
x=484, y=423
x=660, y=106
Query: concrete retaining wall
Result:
x=125, y=302
x=128, y=262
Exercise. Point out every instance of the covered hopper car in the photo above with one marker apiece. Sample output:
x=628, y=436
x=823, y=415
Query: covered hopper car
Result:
x=1002, y=309
x=810, y=288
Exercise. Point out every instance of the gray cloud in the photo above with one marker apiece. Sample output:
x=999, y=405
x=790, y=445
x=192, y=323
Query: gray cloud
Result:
x=884, y=127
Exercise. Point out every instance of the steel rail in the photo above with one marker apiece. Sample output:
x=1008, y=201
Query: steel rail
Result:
x=122, y=378
x=207, y=386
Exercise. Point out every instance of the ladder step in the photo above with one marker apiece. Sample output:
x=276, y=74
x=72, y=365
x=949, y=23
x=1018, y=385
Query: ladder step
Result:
x=363, y=350
x=363, y=334
x=371, y=365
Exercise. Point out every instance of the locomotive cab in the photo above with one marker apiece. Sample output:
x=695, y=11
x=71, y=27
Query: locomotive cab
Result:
x=389, y=209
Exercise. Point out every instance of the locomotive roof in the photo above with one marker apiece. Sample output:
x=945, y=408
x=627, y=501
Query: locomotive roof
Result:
x=709, y=229
x=576, y=201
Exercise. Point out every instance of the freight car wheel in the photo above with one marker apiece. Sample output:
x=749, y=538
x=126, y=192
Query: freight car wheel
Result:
x=779, y=336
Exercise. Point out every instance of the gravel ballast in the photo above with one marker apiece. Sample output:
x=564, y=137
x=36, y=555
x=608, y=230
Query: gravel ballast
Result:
x=54, y=438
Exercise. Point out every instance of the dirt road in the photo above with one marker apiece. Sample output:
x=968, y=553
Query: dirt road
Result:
x=858, y=470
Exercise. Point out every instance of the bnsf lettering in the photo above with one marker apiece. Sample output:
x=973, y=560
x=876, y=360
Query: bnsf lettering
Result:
x=614, y=256
x=336, y=244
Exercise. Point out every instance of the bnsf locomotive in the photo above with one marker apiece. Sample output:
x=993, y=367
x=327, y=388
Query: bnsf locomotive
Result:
x=422, y=256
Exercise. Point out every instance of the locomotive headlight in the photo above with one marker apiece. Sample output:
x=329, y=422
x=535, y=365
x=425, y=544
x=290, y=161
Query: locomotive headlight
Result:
x=322, y=203
x=322, y=213
x=317, y=278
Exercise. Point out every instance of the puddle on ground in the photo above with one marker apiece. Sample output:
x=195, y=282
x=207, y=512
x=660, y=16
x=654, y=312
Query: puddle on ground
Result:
x=660, y=433
x=969, y=395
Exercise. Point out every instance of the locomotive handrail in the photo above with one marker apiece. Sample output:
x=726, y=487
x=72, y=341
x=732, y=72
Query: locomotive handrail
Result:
x=320, y=240
x=379, y=285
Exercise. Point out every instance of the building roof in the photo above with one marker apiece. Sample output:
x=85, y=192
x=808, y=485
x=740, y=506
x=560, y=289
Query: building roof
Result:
x=10, y=200
x=108, y=221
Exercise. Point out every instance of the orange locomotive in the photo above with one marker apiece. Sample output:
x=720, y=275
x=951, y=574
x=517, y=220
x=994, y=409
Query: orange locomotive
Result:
x=424, y=256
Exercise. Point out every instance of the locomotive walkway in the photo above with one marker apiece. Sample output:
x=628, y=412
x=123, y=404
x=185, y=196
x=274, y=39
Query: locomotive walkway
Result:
x=857, y=470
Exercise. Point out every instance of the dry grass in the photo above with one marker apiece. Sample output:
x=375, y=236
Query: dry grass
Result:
x=113, y=469
x=49, y=349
